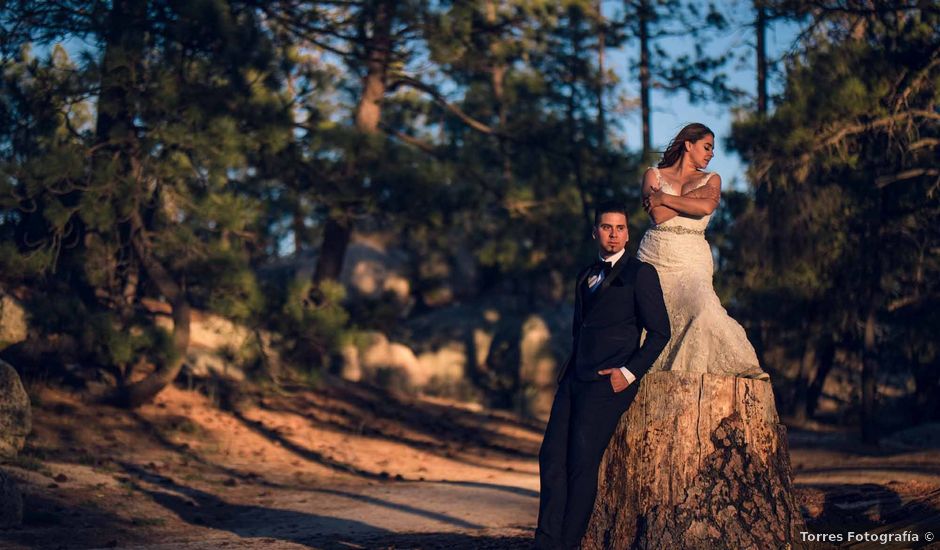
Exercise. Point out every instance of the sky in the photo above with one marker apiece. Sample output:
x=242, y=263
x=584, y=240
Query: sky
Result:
x=671, y=112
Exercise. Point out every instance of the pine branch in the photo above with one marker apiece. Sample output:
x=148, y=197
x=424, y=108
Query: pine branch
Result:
x=442, y=101
x=883, y=181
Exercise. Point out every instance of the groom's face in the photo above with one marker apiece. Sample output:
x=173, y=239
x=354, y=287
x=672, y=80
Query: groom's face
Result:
x=611, y=233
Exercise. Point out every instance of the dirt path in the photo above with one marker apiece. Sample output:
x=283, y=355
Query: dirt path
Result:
x=163, y=513
x=349, y=467
x=345, y=467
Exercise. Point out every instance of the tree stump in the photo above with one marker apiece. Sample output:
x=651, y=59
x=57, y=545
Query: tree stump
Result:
x=698, y=461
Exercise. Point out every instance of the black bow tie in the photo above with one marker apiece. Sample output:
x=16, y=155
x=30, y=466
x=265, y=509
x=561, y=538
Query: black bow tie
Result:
x=602, y=267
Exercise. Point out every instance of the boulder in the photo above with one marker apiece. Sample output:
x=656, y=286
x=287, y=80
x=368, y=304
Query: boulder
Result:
x=12, y=321
x=380, y=357
x=15, y=414
x=218, y=347
x=538, y=364
x=350, y=367
x=444, y=365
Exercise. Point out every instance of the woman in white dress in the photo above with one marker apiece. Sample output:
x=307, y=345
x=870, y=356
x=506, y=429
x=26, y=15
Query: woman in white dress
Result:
x=680, y=197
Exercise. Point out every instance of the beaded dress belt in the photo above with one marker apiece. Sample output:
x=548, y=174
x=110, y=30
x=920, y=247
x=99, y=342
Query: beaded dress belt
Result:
x=678, y=229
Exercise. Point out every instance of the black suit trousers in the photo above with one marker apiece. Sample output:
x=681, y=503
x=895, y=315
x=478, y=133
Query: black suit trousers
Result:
x=583, y=418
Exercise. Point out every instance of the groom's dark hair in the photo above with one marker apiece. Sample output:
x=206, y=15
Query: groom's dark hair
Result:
x=608, y=207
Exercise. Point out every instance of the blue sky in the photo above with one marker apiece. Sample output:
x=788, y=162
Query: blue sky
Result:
x=671, y=112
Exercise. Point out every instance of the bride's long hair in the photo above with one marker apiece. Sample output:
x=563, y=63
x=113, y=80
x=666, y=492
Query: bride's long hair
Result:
x=691, y=132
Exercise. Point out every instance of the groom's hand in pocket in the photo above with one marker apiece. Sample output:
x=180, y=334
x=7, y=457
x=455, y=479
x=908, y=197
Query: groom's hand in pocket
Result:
x=617, y=380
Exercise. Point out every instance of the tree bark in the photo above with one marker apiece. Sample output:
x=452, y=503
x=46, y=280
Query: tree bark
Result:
x=869, y=378
x=378, y=53
x=870, y=359
x=761, y=29
x=368, y=115
x=644, y=21
x=926, y=380
x=498, y=69
x=807, y=373
x=601, y=77
x=121, y=74
x=698, y=461
x=116, y=140
x=826, y=354
x=574, y=135
x=138, y=393
x=336, y=235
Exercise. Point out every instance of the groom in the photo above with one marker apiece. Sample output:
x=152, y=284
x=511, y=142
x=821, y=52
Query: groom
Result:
x=615, y=298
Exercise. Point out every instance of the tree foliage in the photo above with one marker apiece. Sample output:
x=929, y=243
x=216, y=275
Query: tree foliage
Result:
x=842, y=238
x=200, y=153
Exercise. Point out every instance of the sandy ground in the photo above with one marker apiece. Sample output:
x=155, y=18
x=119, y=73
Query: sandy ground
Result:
x=347, y=466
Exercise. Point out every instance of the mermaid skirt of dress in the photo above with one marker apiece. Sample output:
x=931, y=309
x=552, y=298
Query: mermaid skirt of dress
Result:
x=704, y=337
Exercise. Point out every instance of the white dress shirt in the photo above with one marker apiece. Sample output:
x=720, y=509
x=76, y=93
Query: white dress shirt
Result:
x=594, y=281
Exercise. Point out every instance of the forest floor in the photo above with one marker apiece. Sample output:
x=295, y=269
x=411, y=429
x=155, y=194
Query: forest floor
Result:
x=348, y=466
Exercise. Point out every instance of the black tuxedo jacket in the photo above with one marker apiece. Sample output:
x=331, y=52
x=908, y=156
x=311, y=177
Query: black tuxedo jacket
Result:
x=608, y=321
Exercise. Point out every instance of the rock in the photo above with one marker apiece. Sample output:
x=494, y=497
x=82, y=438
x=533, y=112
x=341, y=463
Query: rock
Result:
x=538, y=364
x=350, y=367
x=13, y=327
x=377, y=358
x=381, y=359
x=372, y=271
x=11, y=502
x=490, y=351
x=218, y=347
x=444, y=365
x=206, y=363
x=467, y=349
x=374, y=267
x=15, y=413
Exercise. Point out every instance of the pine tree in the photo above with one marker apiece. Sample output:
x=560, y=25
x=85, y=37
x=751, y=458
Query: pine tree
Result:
x=847, y=192
x=144, y=206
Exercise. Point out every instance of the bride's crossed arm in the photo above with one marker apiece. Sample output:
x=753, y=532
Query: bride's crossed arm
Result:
x=697, y=202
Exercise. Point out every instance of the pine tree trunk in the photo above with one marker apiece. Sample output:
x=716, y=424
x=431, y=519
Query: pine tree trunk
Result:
x=761, y=30
x=698, y=461
x=870, y=354
x=336, y=236
x=601, y=77
x=378, y=47
x=808, y=370
x=645, y=79
x=136, y=394
x=827, y=355
x=869, y=418
x=498, y=69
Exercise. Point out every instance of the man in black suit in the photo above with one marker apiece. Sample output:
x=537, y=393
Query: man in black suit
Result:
x=615, y=299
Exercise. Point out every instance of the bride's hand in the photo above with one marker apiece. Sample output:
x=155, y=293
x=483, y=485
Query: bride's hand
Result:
x=654, y=199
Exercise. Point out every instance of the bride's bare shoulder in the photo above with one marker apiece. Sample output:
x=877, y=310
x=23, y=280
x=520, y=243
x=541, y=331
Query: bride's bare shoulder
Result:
x=711, y=178
x=650, y=179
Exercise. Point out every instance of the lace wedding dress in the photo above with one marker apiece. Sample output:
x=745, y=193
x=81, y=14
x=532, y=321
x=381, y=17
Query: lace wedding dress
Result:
x=704, y=337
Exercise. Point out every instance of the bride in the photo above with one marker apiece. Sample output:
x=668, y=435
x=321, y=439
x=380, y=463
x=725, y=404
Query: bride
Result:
x=680, y=198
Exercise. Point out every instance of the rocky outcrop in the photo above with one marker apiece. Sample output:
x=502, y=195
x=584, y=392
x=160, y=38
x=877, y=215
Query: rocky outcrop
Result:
x=12, y=321
x=15, y=415
x=469, y=351
x=15, y=425
x=217, y=346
